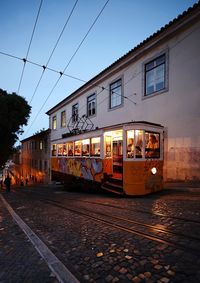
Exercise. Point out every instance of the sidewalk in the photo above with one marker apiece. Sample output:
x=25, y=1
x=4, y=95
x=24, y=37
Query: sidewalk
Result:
x=183, y=186
x=19, y=260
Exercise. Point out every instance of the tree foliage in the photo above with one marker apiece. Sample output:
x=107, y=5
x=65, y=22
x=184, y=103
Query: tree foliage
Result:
x=14, y=113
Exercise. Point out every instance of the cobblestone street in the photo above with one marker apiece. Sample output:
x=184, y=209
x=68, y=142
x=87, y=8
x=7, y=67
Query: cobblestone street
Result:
x=19, y=260
x=99, y=237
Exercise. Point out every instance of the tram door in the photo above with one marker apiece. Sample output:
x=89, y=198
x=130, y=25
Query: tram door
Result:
x=117, y=146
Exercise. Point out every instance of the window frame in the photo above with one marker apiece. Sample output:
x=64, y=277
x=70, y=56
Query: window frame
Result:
x=54, y=149
x=78, y=148
x=85, y=147
x=95, y=143
x=70, y=148
x=54, y=122
x=60, y=149
x=156, y=152
x=41, y=145
x=90, y=100
x=166, y=74
x=75, y=113
x=144, y=152
x=110, y=93
x=63, y=119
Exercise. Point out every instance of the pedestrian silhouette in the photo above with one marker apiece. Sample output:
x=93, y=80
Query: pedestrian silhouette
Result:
x=7, y=182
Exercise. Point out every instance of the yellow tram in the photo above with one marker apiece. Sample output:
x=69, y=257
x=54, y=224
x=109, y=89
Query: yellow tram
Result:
x=125, y=158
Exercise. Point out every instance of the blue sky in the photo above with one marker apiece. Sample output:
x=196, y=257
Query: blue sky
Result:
x=121, y=26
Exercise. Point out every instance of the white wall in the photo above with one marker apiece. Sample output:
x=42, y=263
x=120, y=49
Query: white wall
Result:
x=177, y=109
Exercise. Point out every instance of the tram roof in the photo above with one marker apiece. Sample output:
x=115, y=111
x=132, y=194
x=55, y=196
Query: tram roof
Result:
x=163, y=32
x=116, y=126
x=133, y=123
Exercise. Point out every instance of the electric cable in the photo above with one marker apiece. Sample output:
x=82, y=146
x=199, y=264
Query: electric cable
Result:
x=41, y=107
x=10, y=55
x=42, y=66
x=61, y=73
x=62, y=31
x=86, y=35
x=25, y=59
x=56, y=71
x=55, y=46
x=101, y=87
x=73, y=77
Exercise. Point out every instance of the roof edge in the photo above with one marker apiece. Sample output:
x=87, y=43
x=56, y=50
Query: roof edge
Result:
x=36, y=135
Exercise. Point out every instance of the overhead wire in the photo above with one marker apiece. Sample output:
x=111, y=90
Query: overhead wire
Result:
x=29, y=46
x=10, y=55
x=102, y=88
x=84, y=81
x=56, y=71
x=54, y=48
x=42, y=66
x=73, y=77
x=138, y=73
x=86, y=35
x=73, y=8
x=70, y=76
x=61, y=73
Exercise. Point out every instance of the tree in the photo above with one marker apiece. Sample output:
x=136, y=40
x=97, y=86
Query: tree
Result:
x=14, y=113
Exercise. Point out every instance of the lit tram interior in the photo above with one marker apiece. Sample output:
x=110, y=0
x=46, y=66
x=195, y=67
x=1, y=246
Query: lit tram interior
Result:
x=127, y=159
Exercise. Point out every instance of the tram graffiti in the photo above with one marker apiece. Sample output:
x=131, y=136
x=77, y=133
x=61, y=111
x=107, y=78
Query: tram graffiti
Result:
x=90, y=169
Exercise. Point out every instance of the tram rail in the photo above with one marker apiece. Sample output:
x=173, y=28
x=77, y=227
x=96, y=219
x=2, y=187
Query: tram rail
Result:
x=123, y=208
x=138, y=232
x=142, y=229
x=136, y=210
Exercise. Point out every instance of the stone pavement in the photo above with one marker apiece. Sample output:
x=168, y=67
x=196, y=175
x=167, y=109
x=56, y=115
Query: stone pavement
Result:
x=99, y=253
x=19, y=260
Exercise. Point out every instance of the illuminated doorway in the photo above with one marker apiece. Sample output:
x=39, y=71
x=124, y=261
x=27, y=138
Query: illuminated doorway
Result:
x=114, y=151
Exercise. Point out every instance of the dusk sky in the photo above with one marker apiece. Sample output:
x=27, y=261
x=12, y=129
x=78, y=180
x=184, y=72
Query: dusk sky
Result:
x=87, y=45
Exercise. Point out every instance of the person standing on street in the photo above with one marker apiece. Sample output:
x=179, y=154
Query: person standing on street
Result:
x=1, y=184
x=7, y=182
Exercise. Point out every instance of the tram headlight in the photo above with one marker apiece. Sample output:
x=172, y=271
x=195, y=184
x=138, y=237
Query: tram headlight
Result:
x=153, y=170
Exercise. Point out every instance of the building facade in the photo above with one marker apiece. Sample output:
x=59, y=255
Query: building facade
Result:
x=158, y=82
x=35, y=154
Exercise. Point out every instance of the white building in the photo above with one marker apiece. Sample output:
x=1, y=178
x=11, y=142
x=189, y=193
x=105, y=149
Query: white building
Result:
x=158, y=81
x=35, y=164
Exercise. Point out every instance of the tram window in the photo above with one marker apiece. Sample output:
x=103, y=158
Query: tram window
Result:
x=130, y=144
x=53, y=150
x=139, y=143
x=152, y=148
x=95, y=147
x=64, y=149
x=70, y=149
x=60, y=150
x=85, y=147
x=77, y=149
x=108, y=146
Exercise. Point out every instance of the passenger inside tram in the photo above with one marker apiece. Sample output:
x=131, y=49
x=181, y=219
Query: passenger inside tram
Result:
x=138, y=147
x=152, y=147
x=130, y=148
